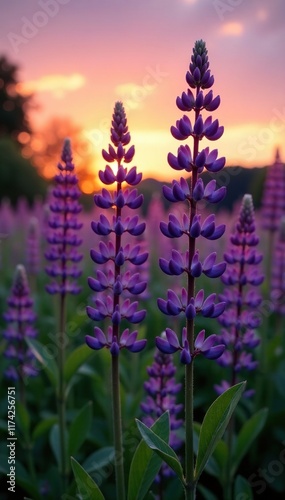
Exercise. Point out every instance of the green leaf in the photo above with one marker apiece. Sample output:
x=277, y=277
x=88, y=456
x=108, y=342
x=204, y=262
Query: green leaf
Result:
x=221, y=456
x=246, y=436
x=98, y=459
x=54, y=439
x=75, y=360
x=24, y=481
x=45, y=358
x=214, y=425
x=162, y=449
x=23, y=420
x=242, y=489
x=87, y=488
x=43, y=427
x=79, y=428
x=146, y=464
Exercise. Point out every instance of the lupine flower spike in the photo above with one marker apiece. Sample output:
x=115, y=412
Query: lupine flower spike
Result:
x=242, y=298
x=63, y=269
x=273, y=206
x=162, y=390
x=278, y=272
x=63, y=222
x=192, y=226
x=273, y=199
x=20, y=319
x=190, y=303
x=117, y=283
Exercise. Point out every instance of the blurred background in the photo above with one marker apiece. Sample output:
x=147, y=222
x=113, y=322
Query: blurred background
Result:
x=64, y=63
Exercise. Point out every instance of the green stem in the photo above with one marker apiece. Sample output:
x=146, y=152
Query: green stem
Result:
x=189, y=453
x=190, y=493
x=117, y=427
x=61, y=391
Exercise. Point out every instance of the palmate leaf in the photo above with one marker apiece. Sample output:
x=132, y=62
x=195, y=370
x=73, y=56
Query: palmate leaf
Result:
x=214, y=425
x=246, y=436
x=162, y=449
x=146, y=464
x=87, y=488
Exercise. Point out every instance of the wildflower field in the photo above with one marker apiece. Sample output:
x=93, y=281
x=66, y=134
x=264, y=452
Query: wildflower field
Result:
x=143, y=347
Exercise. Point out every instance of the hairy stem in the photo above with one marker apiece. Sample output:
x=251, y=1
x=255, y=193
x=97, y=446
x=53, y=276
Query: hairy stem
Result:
x=117, y=427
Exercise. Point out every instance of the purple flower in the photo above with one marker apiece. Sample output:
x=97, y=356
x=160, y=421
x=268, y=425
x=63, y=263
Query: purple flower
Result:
x=63, y=223
x=119, y=278
x=192, y=224
x=240, y=318
x=273, y=200
x=207, y=347
x=277, y=293
x=162, y=390
x=20, y=320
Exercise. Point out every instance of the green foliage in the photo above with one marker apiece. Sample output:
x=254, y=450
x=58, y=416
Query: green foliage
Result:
x=242, y=489
x=246, y=437
x=45, y=358
x=214, y=425
x=160, y=447
x=18, y=177
x=79, y=428
x=146, y=464
x=87, y=488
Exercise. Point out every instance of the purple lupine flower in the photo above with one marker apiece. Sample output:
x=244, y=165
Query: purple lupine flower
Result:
x=33, y=250
x=278, y=272
x=20, y=319
x=117, y=282
x=192, y=225
x=64, y=225
x=273, y=199
x=240, y=318
x=162, y=390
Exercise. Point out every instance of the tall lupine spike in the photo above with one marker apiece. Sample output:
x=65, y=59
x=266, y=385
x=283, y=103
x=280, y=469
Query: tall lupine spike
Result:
x=63, y=269
x=121, y=281
x=196, y=161
x=20, y=319
x=64, y=225
x=273, y=199
x=239, y=318
x=190, y=228
x=162, y=390
x=116, y=281
x=278, y=271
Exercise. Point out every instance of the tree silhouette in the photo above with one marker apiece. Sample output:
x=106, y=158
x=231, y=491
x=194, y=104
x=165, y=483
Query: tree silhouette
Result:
x=13, y=106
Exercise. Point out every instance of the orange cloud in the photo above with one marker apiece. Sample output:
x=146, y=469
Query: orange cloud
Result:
x=58, y=85
x=232, y=29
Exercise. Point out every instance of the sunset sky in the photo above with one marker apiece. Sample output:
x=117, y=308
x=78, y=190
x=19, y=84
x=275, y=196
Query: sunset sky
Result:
x=80, y=56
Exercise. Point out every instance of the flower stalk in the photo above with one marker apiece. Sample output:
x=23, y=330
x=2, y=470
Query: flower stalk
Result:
x=116, y=282
x=63, y=270
x=191, y=303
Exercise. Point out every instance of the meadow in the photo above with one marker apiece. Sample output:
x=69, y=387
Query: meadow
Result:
x=77, y=403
